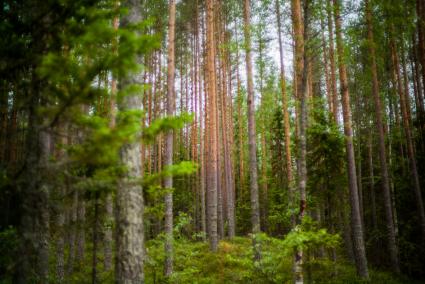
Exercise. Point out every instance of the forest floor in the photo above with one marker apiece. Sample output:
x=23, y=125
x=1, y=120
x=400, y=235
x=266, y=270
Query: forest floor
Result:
x=233, y=263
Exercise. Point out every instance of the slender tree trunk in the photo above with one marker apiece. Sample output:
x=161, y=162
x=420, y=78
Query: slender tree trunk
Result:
x=107, y=240
x=356, y=224
x=73, y=232
x=333, y=84
x=372, y=185
x=60, y=221
x=240, y=125
x=129, y=200
x=301, y=81
x=60, y=243
x=34, y=223
x=225, y=129
x=287, y=130
x=263, y=178
x=392, y=242
x=326, y=67
x=212, y=123
x=220, y=185
x=168, y=154
x=96, y=230
x=255, y=207
x=201, y=142
x=3, y=125
x=417, y=76
x=81, y=233
x=409, y=140
x=420, y=10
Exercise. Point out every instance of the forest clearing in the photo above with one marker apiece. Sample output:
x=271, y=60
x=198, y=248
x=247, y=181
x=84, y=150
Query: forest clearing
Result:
x=212, y=141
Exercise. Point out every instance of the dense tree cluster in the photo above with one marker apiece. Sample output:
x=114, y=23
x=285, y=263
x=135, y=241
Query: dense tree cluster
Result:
x=145, y=141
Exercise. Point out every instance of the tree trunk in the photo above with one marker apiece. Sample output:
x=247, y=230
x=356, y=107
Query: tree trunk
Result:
x=96, y=227
x=212, y=123
x=287, y=129
x=60, y=221
x=240, y=125
x=34, y=223
x=202, y=128
x=168, y=153
x=409, y=140
x=392, y=242
x=333, y=84
x=73, y=232
x=81, y=233
x=326, y=67
x=255, y=207
x=301, y=81
x=225, y=129
x=420, y=10
x=107, y=241
x=356, y=224
x=129, y=200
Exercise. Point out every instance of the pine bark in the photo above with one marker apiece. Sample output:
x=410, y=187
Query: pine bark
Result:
x=420, y=11
x=201, y=142
x=409, y=139
x=107, y=233
x=129, y=199
x=227, y=155
x=34, y=221
x=392, y=242
x=356, y=224
x=300, y=24
x=333, y=83
x=168, y=153
x=255, y=207
x=212, y=186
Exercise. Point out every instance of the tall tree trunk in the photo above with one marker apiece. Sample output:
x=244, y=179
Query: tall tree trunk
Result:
x=225, y=129
x=301, y=82
x=60, y=221
x=333, y=84
x=415, y=64
x=96, y=231
x=72, y=218
x=255, y=207
x=409, y=140
x=392, y=243
x=107, y=240
x=34, y=224
x=263, y=178
x=240, y=124
x=129, y=200
x=356, y=224
x=168, y=154
x=81, y=233
x=212, y=123
x=202, y=127
x=326, y=66
x=420, y=11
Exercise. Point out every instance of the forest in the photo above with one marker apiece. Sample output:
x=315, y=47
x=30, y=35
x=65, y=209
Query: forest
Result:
x=212, y=141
